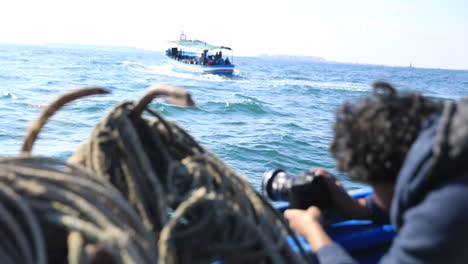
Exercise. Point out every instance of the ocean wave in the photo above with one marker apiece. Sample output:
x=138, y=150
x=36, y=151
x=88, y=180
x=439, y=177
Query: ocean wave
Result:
x=247, y=106
x=134, y=65
x=10, y=95
x=345, y=86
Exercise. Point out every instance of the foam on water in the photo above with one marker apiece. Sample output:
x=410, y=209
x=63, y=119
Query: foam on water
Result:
x=166, y=69
x=9, y=95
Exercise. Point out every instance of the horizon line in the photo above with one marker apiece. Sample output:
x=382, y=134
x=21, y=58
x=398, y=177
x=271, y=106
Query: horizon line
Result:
x=319, y=58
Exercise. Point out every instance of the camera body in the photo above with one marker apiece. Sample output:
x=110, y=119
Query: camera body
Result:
x=300, y=191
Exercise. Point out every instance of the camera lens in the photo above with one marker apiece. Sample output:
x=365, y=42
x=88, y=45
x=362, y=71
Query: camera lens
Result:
x=276, y=184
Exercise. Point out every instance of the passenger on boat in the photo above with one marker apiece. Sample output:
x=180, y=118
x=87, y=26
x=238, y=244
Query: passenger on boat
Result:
x=218, y=55
x=203, y=58
x=413, y=152
x=218, y=59
x=210, y=60
x=227, y=62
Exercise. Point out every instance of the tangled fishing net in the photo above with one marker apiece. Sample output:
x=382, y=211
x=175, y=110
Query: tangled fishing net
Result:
x=54, y=212
x=198, y=209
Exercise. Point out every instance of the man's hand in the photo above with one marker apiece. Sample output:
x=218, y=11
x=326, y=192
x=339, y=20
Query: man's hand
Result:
x=301, y=220
x=307, y=223
x=344, y=206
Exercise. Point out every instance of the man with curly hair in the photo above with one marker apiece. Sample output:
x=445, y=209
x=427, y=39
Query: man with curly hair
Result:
x=412, y=151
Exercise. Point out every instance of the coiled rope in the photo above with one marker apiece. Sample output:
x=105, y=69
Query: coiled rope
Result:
x=198, y=208
x=54, y=212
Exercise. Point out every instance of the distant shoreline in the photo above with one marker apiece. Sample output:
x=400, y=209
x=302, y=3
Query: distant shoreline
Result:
x=292, y=57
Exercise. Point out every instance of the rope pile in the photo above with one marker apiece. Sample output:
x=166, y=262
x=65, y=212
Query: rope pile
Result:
x=198, y=209
x=54, y=212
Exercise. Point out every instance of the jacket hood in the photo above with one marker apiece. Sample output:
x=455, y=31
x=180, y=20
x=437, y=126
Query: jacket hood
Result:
x=438, y=154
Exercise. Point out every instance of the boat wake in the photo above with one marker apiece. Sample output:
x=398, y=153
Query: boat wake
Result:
x=166, y=70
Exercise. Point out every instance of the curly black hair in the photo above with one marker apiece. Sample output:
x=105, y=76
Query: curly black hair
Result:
x=373, y=135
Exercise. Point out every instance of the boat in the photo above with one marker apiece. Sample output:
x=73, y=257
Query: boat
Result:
x=365, y=241
x=198, y=57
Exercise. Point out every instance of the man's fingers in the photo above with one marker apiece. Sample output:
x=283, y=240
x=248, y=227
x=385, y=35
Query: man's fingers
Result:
x=288, y=213
x=324, y=173
x=329, y=178
x=321, y=172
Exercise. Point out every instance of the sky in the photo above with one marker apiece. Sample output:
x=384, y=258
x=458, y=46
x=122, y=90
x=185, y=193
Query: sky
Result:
x=424, y=33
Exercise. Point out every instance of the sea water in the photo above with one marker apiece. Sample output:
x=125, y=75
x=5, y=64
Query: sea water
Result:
x=271, y=113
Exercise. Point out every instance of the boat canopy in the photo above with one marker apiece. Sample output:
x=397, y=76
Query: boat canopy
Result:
x=197, y=44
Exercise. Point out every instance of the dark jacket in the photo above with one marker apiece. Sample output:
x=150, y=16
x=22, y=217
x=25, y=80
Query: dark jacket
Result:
x=430, y=204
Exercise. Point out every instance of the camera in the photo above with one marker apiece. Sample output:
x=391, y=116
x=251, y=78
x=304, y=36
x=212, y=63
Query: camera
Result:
x=300, y=191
